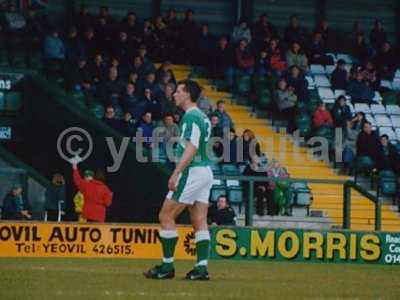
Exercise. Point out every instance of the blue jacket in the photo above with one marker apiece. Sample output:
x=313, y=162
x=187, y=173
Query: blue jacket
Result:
x=11, y=209
x=360, y=92
x=54, y=48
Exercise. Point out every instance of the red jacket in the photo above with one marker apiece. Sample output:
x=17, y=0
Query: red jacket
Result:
x=97, y=196
x=244, y=59
x=322, y=117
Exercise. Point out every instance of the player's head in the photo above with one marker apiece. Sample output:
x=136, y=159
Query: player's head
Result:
x=187, y=92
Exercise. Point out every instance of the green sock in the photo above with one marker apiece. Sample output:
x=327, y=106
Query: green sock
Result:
x=202, y=239
x=168, y=239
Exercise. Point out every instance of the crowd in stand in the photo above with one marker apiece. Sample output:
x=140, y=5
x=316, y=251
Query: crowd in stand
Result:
x=112, y=61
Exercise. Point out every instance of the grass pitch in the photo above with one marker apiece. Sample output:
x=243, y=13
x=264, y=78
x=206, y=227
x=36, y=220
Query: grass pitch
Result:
x=26, y=278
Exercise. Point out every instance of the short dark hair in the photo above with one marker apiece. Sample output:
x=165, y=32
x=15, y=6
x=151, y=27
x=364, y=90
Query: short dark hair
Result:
x=191, y=87
x=220, y=102
x=385, y=136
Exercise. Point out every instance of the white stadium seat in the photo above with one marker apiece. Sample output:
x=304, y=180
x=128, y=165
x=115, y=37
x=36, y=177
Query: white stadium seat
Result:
x=393, y=109
x=395, y=121
x=321, y=81
x=377, y=97
x=378, y=109
x=371, y=119
x=346, y=57
x=398, y=133
x=383, y=121
x=317, y=69
x=363, y=107
x=386, y=84
x=329, y=69
x=388, y=131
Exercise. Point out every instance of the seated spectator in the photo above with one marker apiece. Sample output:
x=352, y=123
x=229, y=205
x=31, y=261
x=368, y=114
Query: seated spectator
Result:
x=316, y=51
x=368, y=143
x=371, y=76
x=122, y=48
x=251, y=146
x=110, y=90
x=339, y=77
x=168, y=133
x=137, y=67
x=54, y=49
x=89, y=44
x=322, y=117
x=294, y=32
x=263, y=30
x=388, y=157
x=163, y=70
x=216, y=132
x=359, y=91
x=73, y=46
x=98, y=69
x=167, y=100
x=277, y=59
x=281, y=204
x=341, y=112
x=225, y=120
x=241, y=32
x=148, y=83
x=133, y=78
x=377, y=36
x=221, y=213
x=131, y=103
x=148, y=66
x=54, y=195
x=329, y=36
x=261, y=192
x=386, y=61
x=110, y=120
x=262, y=64
x=152, y=105
x=205, y=46
x=223, y=61
x=15, y=205
x=349, y=143
x=204, y=104
x=361, y=50
x=80, y=78
x=145, y=128
x=295, y=57
x=244, y=58
x=127, y=125
x=159, y=52
x=130, y=25
x=96, y=194
x=296, y=79
x=286, y=101
x=104, y=35
x=233, y=148
x=188, y=29
x=358, y=121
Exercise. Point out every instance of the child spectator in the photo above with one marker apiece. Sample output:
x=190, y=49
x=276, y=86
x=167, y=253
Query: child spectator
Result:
x=322, y=117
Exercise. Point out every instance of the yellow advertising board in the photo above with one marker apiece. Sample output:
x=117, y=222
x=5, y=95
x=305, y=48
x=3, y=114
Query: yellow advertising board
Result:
x=89, y=240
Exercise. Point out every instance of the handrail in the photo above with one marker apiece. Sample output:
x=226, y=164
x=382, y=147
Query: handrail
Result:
x=249, y=204
x=348, y=185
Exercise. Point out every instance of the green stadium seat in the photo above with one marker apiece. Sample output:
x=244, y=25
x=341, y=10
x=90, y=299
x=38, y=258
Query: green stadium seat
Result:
x=235, y=195
x=264, y=99
x=230, y=169
x=390, y=97
x=97, y=110
x=243, y=84
x=13, y=101
x=387, y=183
x=218, y=189
x=2, y=101
x=216, y=169
x=363, y=164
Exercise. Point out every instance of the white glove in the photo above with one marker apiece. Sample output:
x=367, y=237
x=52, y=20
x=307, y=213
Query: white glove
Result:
x=75, y=160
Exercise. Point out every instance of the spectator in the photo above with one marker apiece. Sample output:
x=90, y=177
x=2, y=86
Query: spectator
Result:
x=277, y=59
x=80, y=77
x=84, y=20
x=54, y=49
x=104, y=14
x=204, y=104
x=164, y=70
x=295, y=57
x=73, y=47
x=349, y=143
x=90, y=46
x=225, y=120
x=368, y=143
x=168, y=132
x=322, y=117
x=339, y=77
x=377, y=36
x=263, y=30
x=55, y=197
x=148, y=83
x=262, y=65
x=15, y=205
x=328, y=36
x=316, y=52
x=127, y=126
x=371, y=76
x=223, y=61
x=131, y=27
x=148, y=66
x=286, y=102
x=261, y=193
x=296, y=79
x=341, y=112
x=221, y=213
x=386, y=61
x=167, y=100
x=160, y=35
x=294, y=32
x=98, y=69
x=111, y=89
x=122, y=48
x=388, y=157
x=110, y=120
x=233, y=148
x=216, y=132
x=359, y=91
x=251, y=146
x=152, y=105
x=358, y=121
x=281, y=202
x=96, y=194
x=130, y=103
x=244, y=58
x=78, y=206
x=188, y=30
x=145, y=127
x=361, y=50
x=205, y=46
x=241, y=32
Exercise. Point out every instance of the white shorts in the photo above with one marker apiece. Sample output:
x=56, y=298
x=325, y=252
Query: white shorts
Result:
x=194, y=184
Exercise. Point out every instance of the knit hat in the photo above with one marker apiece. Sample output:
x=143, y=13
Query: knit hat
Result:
x=88, y=173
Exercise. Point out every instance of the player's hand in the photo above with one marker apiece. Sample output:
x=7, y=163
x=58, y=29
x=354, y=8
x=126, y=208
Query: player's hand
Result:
x=172, y=182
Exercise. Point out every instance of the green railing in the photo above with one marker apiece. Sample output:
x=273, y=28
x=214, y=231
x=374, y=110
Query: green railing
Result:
x=348, y=185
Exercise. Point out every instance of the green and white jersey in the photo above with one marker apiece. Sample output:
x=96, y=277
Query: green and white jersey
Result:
x=195, y=127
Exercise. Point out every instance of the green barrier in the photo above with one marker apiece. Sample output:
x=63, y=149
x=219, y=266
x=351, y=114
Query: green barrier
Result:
x=305, y=246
